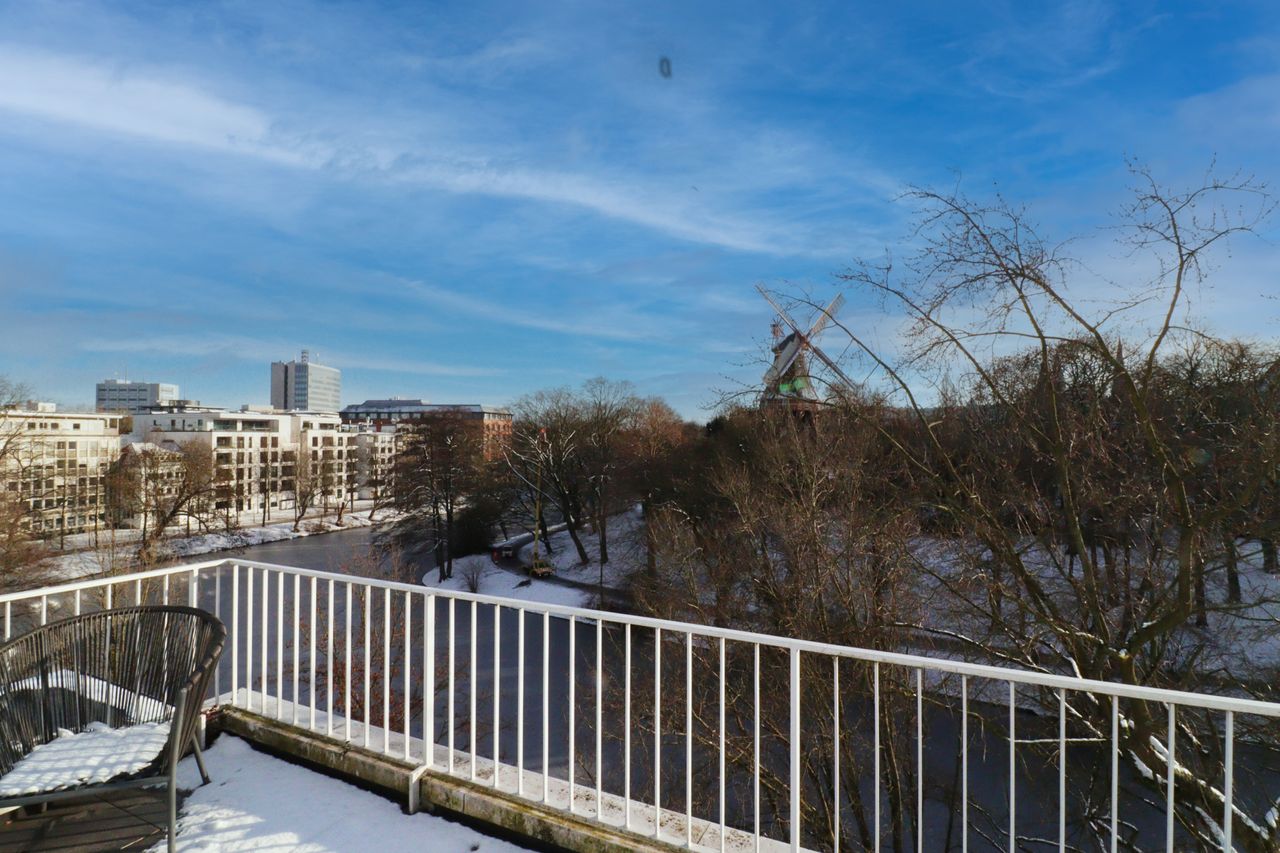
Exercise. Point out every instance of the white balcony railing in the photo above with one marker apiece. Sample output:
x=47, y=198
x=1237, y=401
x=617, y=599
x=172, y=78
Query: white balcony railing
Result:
x=714, y=738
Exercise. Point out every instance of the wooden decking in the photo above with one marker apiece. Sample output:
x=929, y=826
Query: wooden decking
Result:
x=123, y=820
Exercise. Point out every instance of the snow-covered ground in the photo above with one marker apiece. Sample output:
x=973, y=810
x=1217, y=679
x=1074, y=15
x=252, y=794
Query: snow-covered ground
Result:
x=494, y=580
x=260, y=803
x=626, y=551
x=1240, y=643
x=626, y=555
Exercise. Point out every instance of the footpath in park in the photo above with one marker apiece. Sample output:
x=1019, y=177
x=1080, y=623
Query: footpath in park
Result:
x=575, y=584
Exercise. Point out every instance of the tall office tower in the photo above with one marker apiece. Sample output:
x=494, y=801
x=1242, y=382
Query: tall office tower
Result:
x=116, y=396
x=304, y=385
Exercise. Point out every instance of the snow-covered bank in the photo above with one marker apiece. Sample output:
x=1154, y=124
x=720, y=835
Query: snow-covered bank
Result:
x=92, y=562
x=494, y=580
x=478, y=573
x=626, y=552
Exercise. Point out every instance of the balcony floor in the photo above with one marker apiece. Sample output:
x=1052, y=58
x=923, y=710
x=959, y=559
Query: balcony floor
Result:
x=255, y=803
x=127, y=820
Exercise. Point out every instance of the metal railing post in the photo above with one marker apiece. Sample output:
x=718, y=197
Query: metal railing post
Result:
x=520, y=667
x=794, y=747
x=234, y=629
x=657, y=733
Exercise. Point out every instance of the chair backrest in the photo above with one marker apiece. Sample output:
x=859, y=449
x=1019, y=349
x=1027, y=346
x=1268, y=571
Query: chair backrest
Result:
x=120, y=667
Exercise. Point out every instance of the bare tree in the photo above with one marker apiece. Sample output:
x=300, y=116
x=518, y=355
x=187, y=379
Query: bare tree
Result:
x=306, y=485
x=574, y=444
x=786, y=525
x=608, y=412
x=1076, y=436
x=11, y=435
x=547, y=439
x=23, y=558
x=438, y=467
x=28, y=482
x=175, y=484
x=652, y=453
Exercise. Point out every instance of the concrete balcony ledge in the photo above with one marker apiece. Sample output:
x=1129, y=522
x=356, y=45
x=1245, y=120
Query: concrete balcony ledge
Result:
x=497, y=809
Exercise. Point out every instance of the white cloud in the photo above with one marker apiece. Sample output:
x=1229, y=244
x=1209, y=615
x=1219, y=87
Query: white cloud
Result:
x=110, y=98
x=659, y=208
x=253, y=349
x=623, y=325
x=1248, y=110
x=158, y=106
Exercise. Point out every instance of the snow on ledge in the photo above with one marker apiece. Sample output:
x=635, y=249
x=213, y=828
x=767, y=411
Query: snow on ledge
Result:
x=260, y=803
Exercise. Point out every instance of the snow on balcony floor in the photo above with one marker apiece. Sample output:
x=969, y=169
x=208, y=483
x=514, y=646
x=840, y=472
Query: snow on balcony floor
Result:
x=257, y=802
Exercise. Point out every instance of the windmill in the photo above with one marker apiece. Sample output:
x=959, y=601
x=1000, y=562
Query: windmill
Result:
x=788, y=381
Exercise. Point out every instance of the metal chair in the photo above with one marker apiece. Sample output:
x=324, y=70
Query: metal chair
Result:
x=133, y=671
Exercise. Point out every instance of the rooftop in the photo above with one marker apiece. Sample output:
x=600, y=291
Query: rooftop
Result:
x=402, y=404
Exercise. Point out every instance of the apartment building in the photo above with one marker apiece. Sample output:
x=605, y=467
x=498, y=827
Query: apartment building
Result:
x=59, y=466
x=492, y=423
x=259, y=457
x=113, y=395
x=147, y=477
x=376, y=449
x=327, y=455
x=250, y=452
x=55, y=465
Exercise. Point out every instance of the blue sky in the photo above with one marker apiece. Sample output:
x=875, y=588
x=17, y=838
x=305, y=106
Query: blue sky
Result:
x=469, y=201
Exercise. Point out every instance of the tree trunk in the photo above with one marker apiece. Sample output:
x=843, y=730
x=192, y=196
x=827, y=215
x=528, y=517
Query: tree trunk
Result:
x=546, y=537
x=893, y=784
x=650, y=544
x=448, y=534
x=1230, y=557
x=1270, y=560
x=572, y=526
x=1202, y=617
x=437, y=540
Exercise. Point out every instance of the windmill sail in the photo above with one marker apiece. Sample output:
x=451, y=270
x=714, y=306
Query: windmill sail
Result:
x=828, y=314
